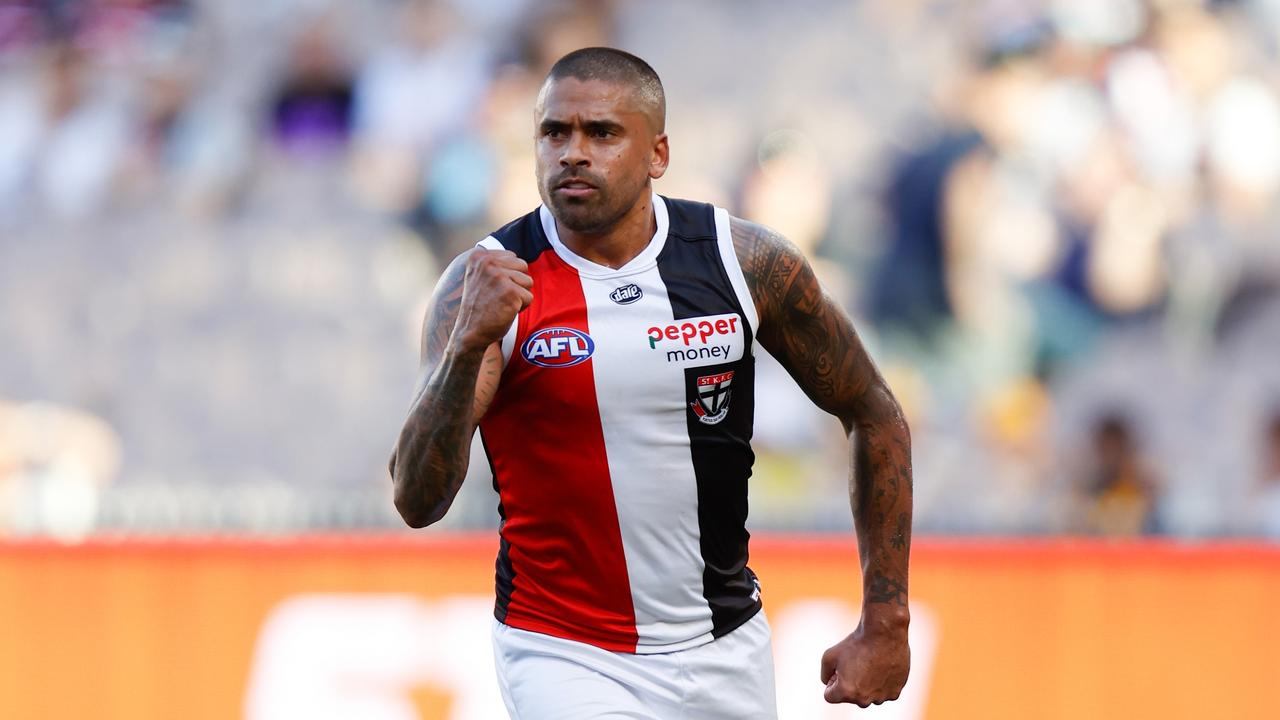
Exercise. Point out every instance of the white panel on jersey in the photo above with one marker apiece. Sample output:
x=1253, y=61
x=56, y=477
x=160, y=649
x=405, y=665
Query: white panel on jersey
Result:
x=729, y=256
x=509, y=339
x=644, y=418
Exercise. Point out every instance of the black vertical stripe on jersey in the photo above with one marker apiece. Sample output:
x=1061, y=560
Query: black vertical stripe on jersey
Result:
x=504, y=572
x=698, y=284
x=505, y=578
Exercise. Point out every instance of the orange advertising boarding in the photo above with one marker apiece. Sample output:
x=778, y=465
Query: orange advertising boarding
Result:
x=397, y=627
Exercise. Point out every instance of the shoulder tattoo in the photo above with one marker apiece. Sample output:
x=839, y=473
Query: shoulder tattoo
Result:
x=800, y=325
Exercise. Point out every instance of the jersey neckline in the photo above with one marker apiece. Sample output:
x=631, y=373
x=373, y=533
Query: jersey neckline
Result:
x=647, y=258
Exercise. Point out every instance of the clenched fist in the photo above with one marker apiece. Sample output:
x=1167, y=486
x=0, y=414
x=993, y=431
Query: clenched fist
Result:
x=495, y=288
x=866, y=668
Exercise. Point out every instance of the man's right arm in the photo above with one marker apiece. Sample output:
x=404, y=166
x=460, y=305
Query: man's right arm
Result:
x=474, y=304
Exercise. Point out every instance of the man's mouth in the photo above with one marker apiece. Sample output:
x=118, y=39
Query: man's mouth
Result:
x=575, y=187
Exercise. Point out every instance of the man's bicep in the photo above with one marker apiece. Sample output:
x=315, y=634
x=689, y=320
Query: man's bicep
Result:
x=816, y=342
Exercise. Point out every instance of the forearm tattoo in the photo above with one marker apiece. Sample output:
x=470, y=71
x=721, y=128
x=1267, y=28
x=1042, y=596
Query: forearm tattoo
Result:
x=814, y=339
x=432, y=454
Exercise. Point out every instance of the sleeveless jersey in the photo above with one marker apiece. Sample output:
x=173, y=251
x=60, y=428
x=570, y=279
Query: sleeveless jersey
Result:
x=619, y=438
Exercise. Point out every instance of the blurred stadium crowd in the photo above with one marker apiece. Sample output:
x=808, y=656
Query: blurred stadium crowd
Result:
x=1055, y=222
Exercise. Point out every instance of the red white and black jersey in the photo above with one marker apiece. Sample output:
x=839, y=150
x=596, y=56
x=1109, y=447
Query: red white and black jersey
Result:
x=619, y=438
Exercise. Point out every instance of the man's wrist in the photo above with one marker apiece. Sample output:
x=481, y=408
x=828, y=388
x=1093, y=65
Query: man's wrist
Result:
x=464, y=344
x=885, y=618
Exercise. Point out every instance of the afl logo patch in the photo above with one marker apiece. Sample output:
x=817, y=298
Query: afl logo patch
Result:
x=557, y=347
x=626, y=294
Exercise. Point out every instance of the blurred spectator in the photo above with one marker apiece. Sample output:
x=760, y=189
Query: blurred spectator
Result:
x=416, y=91
x=311, y=109
x=911, y=293
x=788, y=189
x=62, y=136
x=1118, y=485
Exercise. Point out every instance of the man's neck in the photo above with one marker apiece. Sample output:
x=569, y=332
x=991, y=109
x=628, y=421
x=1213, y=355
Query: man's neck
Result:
x=619, y=244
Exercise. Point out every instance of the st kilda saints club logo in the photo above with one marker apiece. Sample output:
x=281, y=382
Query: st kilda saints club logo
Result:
x=557, y=347
x=712, y=404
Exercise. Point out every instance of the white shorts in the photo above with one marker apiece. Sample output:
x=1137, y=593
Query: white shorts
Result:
x=549, y=678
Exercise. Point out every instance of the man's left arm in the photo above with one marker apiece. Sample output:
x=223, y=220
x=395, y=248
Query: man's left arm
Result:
x=814, y=339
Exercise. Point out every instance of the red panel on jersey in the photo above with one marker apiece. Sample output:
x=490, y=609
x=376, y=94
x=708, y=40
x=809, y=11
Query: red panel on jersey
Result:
x=545, y=441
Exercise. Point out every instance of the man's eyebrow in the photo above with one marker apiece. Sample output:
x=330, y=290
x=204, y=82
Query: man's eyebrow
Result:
x=606, y=125
x=590, y=126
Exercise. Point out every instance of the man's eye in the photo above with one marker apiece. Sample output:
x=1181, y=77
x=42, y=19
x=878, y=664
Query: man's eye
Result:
x=601, y=134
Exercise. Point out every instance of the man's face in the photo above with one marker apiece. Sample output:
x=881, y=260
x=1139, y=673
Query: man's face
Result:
x=596, y=151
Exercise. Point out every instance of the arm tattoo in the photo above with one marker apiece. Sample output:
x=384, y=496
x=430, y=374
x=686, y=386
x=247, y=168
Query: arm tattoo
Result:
x=814, y=339
x=899, y=539
x=883, y=589
x=431, y=456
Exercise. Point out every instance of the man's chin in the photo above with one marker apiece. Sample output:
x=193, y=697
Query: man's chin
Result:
x=578, y=216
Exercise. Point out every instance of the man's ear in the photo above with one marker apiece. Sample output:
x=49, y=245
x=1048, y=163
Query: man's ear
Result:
x=660, y=158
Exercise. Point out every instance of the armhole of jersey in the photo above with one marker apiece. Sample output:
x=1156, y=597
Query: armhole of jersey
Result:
x=729, y=256
x=508, y=340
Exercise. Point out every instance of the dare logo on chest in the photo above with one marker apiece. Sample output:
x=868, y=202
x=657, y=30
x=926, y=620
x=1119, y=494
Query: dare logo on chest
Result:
x=557, y=347
x=626, y=294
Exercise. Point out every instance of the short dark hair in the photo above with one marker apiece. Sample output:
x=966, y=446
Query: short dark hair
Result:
x=620, y=67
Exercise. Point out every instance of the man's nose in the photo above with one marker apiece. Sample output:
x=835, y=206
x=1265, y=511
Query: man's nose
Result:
x=575, y=151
